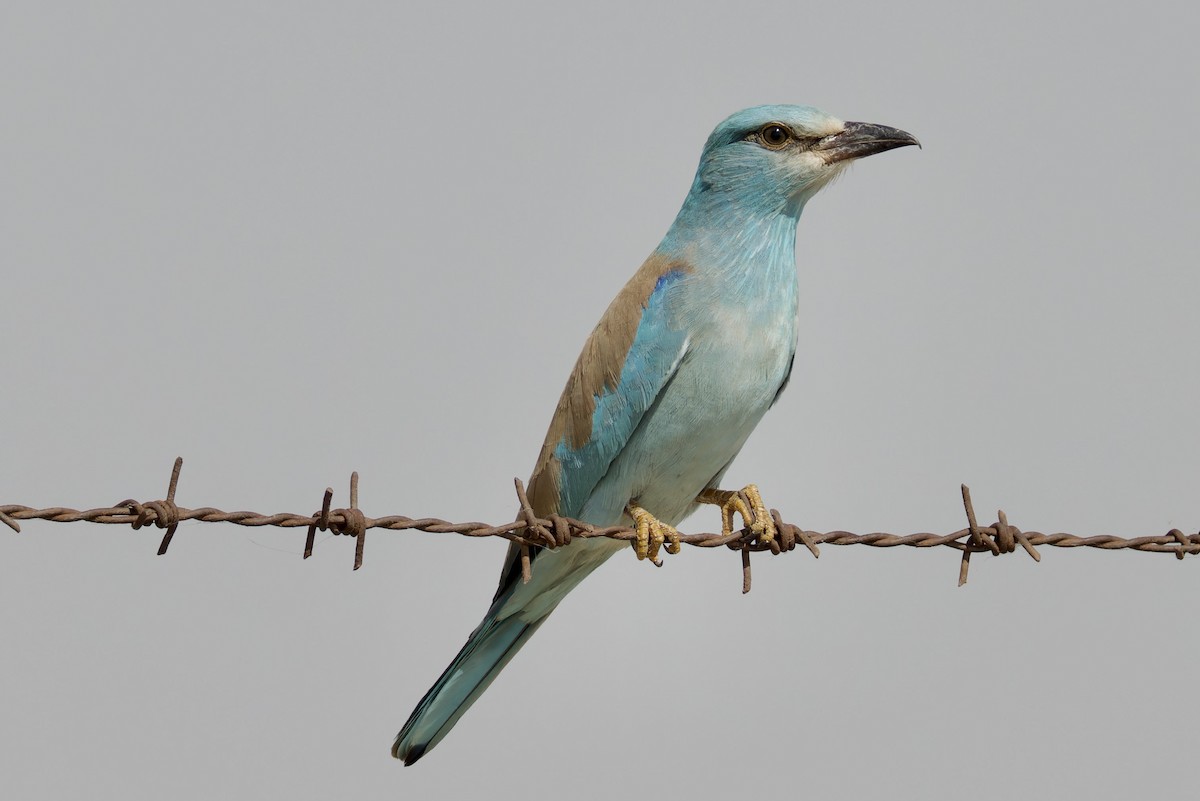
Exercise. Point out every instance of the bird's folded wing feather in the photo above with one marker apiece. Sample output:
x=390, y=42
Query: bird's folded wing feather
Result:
x=627, y=361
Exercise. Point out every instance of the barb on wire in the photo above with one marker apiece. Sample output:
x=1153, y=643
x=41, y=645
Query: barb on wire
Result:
x=530, y=531
x=350, y=522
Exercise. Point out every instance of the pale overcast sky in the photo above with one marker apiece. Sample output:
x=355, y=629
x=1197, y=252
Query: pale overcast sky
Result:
x=293, y=240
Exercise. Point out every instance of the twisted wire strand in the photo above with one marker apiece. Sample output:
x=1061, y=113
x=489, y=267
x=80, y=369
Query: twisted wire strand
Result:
x=530, y=531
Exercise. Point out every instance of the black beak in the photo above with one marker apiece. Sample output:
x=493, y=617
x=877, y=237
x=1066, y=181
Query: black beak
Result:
x=860, y=139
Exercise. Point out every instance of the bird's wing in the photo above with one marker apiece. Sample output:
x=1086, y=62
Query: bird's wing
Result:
x=629, y=358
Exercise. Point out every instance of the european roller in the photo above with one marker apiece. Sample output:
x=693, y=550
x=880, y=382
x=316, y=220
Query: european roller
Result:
x=677, y=373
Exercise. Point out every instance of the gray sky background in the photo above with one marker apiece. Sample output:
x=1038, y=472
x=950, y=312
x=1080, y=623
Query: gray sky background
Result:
x=292, y=241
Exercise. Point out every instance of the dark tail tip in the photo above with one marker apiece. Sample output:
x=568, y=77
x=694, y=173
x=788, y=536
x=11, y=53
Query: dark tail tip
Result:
x=414, y=753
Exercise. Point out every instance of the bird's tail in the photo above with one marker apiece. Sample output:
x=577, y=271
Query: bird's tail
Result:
x=488, y=650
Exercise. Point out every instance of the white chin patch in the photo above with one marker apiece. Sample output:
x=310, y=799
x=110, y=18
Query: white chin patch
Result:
x=829, y=173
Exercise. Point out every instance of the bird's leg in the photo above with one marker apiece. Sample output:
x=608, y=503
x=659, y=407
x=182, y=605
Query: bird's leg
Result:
x=748, y=503
x=651, y=534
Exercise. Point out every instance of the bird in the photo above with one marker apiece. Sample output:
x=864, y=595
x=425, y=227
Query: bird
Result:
x=681, y=367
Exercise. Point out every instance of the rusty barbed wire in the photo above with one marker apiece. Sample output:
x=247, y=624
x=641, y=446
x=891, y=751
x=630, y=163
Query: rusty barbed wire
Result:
x=530, y=531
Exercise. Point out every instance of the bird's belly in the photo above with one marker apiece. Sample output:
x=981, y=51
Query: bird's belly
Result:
x=700, y=422
x=698, y=425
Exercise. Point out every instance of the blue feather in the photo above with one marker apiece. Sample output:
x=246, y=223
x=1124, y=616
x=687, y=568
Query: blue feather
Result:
x=656, y=350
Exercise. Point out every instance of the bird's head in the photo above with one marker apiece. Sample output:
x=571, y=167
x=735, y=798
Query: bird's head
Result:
x=774, y=158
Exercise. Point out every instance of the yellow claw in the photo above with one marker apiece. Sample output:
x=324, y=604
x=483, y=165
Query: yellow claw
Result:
x=754, y=513
x=651, y=534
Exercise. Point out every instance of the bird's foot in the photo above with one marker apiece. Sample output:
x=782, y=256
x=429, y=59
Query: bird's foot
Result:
x=652, y=533
x=748, y=503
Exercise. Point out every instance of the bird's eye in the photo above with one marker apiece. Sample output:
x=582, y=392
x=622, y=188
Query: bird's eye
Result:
x=774, y=135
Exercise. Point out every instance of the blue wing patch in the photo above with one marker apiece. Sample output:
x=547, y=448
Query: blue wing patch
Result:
x=657, y=349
